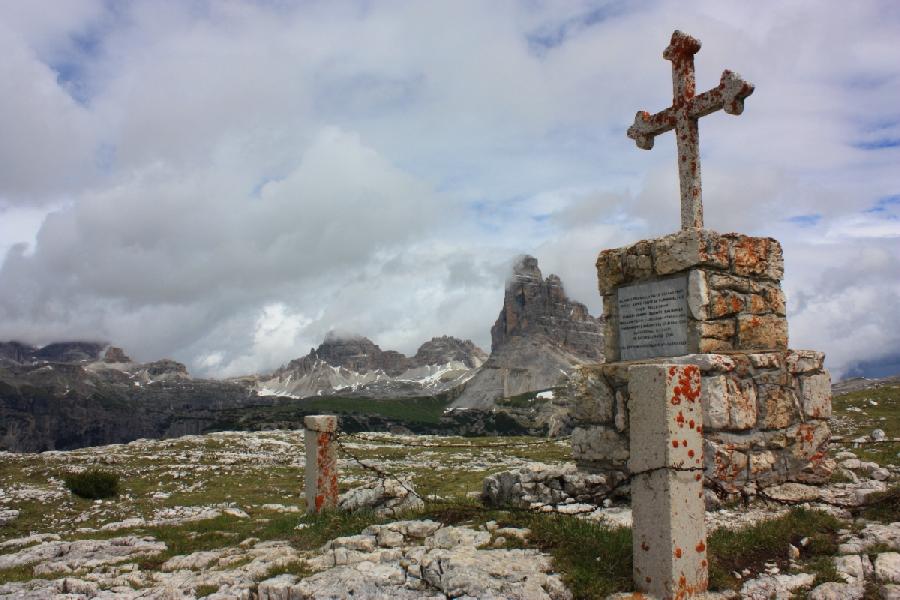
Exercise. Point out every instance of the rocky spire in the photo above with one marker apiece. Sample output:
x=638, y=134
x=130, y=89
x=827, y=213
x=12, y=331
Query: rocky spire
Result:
x=539, y=337
x=538, y=307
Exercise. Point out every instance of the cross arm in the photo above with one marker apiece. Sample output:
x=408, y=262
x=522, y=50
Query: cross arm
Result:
x=728, y=95
x=647, y=126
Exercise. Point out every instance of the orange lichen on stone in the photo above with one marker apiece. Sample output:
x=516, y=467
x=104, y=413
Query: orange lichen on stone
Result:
x=685, y=590
x=687, y=386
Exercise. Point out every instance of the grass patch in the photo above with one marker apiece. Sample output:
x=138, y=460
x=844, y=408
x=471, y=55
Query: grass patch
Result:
x=882, y=506
x=289, y=413
x=526, y=400
x=862, y=411
x=426, y=409
x=297, y=568
x=751, y=547
x=466, y=511
x=839, y=476
x=16, y=574
x=595, y=560
x=202, y=591
x=436, y=482
x=93, y=484
x=328, y=525
x=823, y=568
x=886, y=404
x=219, y=532
x=242, y=485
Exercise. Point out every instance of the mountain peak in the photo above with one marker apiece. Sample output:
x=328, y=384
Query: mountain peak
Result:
x=336, y=336
x=539, y=336
x=348, y=364
x=444, y=349
x=533, y=306
x=525, y=267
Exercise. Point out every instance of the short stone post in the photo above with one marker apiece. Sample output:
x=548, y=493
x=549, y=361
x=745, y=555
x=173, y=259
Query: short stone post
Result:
x=321, y=463
x=666, y=461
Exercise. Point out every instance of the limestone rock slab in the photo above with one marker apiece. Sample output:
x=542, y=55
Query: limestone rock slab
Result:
x=887, y=567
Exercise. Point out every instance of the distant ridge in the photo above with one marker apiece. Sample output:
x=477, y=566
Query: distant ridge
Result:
x=66, y=352
x=353, y=364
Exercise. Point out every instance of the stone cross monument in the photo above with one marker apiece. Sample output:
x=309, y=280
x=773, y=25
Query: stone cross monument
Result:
x=700, y=389
x=683, y=117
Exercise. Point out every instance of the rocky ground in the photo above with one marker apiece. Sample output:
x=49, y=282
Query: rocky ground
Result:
x=221, y=516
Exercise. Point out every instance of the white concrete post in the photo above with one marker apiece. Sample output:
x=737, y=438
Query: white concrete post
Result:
x=666, y=438
x=321, y=463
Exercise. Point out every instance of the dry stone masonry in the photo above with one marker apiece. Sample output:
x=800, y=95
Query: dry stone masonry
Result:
x=695, y=291
x=715, y=301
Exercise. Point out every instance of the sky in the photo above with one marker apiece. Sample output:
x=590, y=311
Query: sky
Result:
x=223, y=182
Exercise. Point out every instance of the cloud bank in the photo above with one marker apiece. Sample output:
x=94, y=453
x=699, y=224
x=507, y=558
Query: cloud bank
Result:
x=224, y=182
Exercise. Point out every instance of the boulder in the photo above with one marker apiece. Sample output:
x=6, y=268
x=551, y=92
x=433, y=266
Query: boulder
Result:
x=386, y=497
x=887, y=567
x=837, y=591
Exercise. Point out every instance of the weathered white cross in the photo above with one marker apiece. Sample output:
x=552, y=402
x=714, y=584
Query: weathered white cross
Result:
x=683, y=116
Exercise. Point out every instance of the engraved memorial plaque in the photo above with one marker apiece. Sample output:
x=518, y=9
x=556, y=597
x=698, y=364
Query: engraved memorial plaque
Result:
x=653, y=319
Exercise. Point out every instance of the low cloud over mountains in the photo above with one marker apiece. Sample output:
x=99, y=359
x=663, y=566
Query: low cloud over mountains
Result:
x=224, y=183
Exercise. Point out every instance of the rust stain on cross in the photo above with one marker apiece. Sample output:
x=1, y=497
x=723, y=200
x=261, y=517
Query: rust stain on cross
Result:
x=683, y=117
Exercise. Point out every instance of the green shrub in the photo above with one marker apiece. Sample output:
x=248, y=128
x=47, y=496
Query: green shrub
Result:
x=93, y=484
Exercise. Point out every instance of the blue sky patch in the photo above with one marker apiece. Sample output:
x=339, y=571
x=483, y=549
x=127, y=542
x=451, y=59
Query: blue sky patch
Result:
x=879, y=144
x=72, y=59
x=486, y=215
x=263, y=182
x=810, y=220
x=885, y=205
x=105, y=157
x=554, y=35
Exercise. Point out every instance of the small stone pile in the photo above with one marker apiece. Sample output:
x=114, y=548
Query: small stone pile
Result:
x=386, y=497
x=850, y=467
x=539, y=484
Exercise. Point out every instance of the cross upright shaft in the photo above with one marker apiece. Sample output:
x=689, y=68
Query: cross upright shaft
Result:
x=683, y=117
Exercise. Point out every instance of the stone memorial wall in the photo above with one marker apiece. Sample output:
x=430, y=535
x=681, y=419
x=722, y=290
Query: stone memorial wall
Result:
x=712, y=300
x=764, y=417
x=732, y=300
